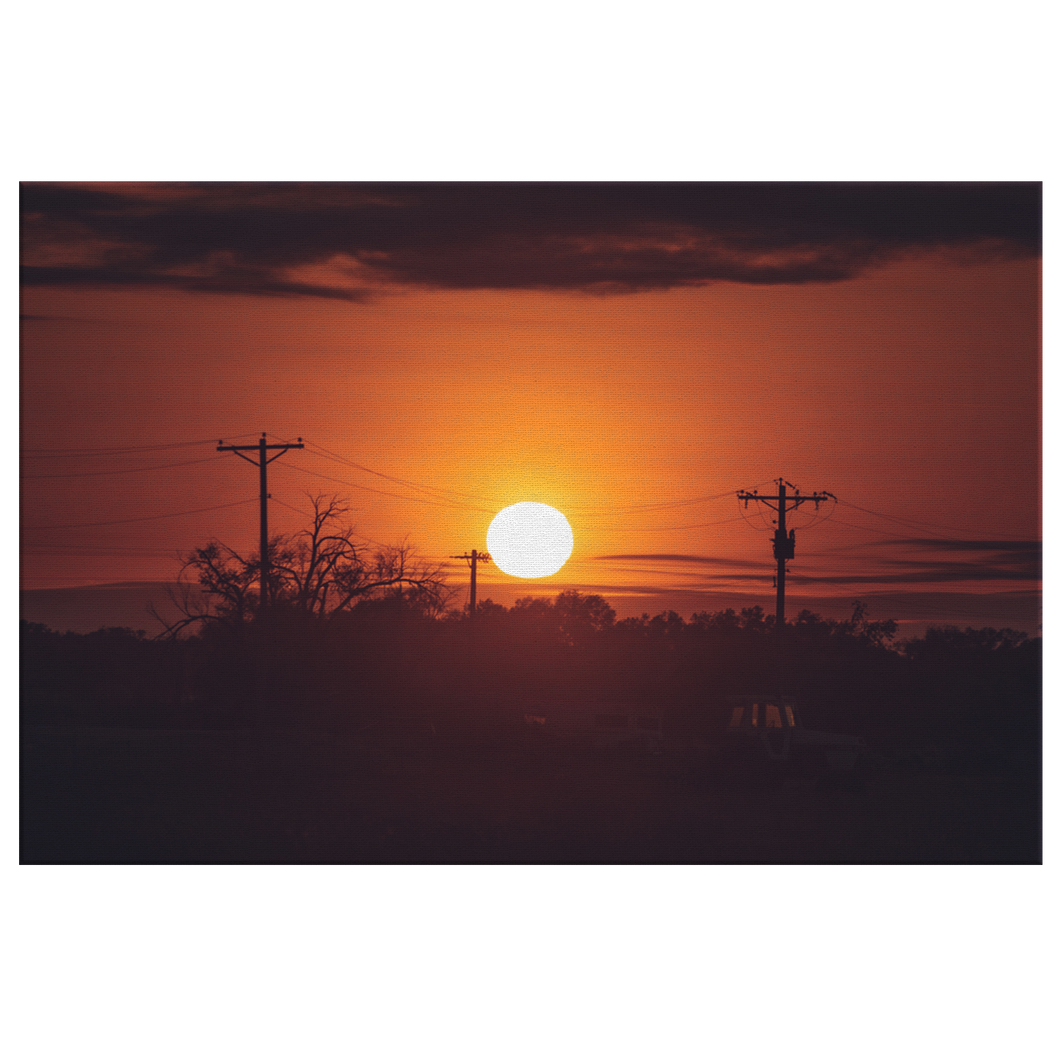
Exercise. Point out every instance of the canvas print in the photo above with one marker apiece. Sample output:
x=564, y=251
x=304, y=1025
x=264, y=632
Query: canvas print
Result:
x=530, y=523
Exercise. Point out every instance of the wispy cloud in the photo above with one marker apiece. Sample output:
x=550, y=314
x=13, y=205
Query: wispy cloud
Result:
x=930, y=573
x=912, y=561
x=968, y=545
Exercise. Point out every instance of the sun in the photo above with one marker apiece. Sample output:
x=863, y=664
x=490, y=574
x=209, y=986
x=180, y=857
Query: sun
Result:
x=530, y=540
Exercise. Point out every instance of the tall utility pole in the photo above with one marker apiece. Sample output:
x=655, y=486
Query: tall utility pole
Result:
x=262, y=462
x=783, y=541
x=474, y=560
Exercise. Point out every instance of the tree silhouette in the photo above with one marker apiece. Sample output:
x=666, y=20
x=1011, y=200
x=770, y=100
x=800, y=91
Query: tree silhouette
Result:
x=315, y=573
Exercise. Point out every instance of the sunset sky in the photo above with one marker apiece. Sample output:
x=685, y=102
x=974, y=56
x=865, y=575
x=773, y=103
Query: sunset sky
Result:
x=632, y=354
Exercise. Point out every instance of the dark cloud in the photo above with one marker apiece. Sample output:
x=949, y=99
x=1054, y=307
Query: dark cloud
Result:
x=999, y=561
x=346, y=240
x=953, y=573
x=982, y=561
x=956, y=545
x=993, y=560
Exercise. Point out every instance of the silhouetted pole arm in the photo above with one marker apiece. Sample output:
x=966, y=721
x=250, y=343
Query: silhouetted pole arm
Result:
x=474, y=559
x=262, y=462
x=783, y=542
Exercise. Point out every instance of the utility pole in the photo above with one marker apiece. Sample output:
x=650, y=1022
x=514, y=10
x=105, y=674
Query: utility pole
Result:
x=262, y=462
x=783, y=540
x=474, y=559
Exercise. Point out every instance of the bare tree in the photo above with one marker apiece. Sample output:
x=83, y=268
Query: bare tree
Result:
x=317, y=572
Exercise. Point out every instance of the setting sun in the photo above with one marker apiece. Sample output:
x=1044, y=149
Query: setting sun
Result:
x=530, y=540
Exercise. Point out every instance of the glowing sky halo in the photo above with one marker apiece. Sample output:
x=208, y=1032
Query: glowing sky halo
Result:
x=530, y=540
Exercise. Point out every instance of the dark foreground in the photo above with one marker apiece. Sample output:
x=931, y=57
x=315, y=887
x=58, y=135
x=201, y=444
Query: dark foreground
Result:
x=105, y=796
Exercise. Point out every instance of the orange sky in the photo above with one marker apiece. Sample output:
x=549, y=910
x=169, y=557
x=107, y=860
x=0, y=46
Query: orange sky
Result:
x=911, y=389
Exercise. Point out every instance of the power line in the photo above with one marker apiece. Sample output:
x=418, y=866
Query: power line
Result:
x=126, y=470
x=907, y=522
x=138, y=519
x=435, y=490
x=855, y=526
x=441, y=493
x=437, y=503
x=660, y=529
x=114, y=450
x=100, y=553
x=632, y=509
x=435, y=496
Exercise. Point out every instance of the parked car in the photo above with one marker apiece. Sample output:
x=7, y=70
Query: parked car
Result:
x=773, y=722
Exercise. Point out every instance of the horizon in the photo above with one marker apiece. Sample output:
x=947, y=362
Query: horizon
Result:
x=633, y=355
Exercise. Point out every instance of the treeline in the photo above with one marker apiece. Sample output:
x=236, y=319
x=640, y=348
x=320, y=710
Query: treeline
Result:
x=852, y=675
